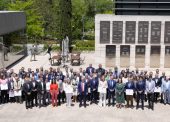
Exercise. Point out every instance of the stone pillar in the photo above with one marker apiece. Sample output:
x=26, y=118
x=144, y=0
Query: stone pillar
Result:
x=162, y=56
x=111, y=31
x=132, y=56
x=124, y=31
x=147, y=56
x=117, y=56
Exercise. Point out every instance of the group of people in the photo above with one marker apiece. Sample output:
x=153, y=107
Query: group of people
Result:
x=97, y=86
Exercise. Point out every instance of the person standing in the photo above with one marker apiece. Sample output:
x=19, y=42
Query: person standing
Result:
x=94, y=83
x=83, y=91
x=17, y=89
x=129, y=87
x=111, y=90
x=34, y=91
x=54, y=90
x=120, y=99
x=27, y=88
x=166, y=90
x=140, y=88
x=33, y=52
x=41, y=92
x=102, y=91
x=68, y=88
x=157, y=85
x=90, y=69
x=4, y=88
x=150, y=86
x=49, y=51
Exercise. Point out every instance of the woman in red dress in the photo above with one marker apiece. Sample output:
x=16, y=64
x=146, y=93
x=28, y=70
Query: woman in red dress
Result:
x=54, y=92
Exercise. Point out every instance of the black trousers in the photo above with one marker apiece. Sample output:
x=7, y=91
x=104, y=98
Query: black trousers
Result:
x=28, y=101
x=150, y=100
x=156, y=95
x=140, y=96
x=111, y=95
x=34, y=97
x=82, y=99
x=61, y=96
x=94, y=96
x=4, y=96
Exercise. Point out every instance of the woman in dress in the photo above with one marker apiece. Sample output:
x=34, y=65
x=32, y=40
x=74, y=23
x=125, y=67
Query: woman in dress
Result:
x=120, y=99
x=54, y=92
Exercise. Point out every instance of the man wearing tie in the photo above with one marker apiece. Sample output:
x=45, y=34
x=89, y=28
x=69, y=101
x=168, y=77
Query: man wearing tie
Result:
x=140, y=88
x=94, y=83
x=27, y=88
x=150, y=86
x=90, y=69
x=34, y=91
x=111, y=90
x=41, y=89
x=83, y=90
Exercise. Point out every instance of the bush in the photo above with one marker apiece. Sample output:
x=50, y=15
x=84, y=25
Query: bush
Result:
x=16, y=48
x=84, y=45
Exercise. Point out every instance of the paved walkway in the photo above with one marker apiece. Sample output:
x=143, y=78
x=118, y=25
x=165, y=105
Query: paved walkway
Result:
x=93, y=113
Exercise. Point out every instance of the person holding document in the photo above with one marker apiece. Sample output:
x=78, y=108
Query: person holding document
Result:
x=150, y=86
x=129, y=87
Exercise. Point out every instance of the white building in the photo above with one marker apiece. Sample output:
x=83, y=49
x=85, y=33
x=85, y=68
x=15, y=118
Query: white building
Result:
x=132, y=41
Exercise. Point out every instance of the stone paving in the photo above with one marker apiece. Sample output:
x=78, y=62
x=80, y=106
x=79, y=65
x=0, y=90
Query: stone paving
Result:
x=93, y=113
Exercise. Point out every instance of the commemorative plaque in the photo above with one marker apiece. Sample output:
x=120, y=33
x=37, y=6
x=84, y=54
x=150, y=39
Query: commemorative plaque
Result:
x=167, y=32
x=117, y=31
x=130, y=32
x=143, y=31
x=105, y=32
x=155, y=32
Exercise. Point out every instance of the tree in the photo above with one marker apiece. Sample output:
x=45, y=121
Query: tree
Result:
x=65, y=15
x=4, y=4
x=34, y=20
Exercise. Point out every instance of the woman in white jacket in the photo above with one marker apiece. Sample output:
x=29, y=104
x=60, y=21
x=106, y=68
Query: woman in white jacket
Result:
x=102, y=90
x=68, y=88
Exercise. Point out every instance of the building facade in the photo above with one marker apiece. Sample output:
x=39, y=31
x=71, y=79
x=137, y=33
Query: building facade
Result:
x=132, y=41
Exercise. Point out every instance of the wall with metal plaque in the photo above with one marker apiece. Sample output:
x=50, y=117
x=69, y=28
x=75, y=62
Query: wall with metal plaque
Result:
x=110, y=55
x=125, y=55
x=155, y=32
x=143, y=27
x=140, y=56
x=155, y=56
x=167, y=32
x=105, y=32
x=117, y=31
x=167, y=57
x=130, y=33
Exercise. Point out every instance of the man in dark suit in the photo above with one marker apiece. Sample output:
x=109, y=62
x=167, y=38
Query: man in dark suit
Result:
x=83, y=91
x=140, y=88
x=94, y=83
x=111, y=90
x=157, y=85
x=27, y=88
x=90, y=69
x=41, y=90
x=34, y=91
x=100, y=71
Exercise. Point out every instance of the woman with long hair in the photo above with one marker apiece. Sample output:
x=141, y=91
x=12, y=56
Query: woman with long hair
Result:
x=54, y=92
x=120, y=98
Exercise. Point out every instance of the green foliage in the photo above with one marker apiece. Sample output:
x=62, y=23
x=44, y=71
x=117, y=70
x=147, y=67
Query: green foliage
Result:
x=54, y=47
x=84, y=45
x=34, y=19
x=4, y=4
x=17, y=48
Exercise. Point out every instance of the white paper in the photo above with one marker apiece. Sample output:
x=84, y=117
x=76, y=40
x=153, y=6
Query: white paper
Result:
x=158, y=90
x=11, y=93
x=4, y=86
x=17, y=93
x=129, y=92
